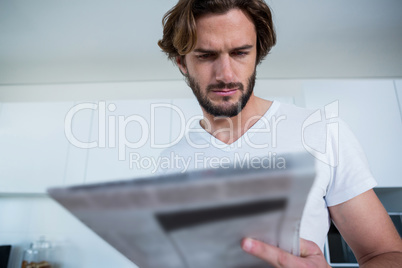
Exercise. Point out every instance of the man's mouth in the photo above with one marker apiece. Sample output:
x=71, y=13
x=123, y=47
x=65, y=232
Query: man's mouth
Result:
x=224, y=92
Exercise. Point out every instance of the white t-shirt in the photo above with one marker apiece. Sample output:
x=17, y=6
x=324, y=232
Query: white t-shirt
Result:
x=341, y=166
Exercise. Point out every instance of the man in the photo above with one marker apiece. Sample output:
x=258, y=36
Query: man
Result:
x=217, y=45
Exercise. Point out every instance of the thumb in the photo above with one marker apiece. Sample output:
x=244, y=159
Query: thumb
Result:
x=308, y=248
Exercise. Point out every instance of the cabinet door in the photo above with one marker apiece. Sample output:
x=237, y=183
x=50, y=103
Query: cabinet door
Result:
x=371, y=109
x=33, y=147
x=127, y=138
x=78, y=130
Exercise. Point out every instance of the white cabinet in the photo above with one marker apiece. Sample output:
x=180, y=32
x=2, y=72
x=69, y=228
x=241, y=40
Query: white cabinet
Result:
x=127, y=138
x=371, y=109
x=33, y=147
x=67, y=143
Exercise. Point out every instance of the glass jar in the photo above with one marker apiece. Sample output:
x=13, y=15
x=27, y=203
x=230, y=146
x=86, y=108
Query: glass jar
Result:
x=38, y=255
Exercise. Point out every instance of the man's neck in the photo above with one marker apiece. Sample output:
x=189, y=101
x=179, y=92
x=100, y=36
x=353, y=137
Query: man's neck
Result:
x=230, y=129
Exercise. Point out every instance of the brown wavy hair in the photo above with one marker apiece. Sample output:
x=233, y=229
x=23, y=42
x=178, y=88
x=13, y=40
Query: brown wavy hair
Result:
x=179, y=28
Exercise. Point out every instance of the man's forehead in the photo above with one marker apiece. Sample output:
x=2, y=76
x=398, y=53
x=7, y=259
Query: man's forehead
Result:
x=232, y=29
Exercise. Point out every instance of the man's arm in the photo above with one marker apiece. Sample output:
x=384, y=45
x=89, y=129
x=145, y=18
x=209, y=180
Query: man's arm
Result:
x=369, y=231
x=363, y=223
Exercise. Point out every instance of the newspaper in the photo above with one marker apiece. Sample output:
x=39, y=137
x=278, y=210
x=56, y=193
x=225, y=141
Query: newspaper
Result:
x=197, y=219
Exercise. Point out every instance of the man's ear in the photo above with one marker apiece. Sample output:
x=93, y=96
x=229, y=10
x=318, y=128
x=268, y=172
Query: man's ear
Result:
x=182, y=64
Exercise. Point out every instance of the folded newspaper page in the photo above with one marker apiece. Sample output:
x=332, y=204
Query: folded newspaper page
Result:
x=197, y=219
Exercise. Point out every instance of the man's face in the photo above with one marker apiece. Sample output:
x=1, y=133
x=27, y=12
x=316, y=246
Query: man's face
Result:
x=221, y=68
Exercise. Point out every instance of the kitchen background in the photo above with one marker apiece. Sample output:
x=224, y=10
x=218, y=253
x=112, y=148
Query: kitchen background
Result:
x=86, y=64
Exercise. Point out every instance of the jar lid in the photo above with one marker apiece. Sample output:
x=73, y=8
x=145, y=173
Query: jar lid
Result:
x=42, y=243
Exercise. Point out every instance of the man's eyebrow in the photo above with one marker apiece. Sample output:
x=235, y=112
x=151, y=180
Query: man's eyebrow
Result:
x=245, y=47
x=202, y=50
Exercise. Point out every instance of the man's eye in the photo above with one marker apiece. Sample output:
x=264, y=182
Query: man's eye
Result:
x=239, y=53
x=204, y=56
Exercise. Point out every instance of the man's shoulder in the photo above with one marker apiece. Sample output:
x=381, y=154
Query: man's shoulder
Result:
x=295, y=116
x=292, y=110
x=308, y=126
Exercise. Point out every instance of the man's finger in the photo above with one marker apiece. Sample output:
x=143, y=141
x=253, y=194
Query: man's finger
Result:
x=271, y=254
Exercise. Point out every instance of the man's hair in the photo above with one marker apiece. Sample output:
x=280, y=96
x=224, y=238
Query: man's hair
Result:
x=179, y=28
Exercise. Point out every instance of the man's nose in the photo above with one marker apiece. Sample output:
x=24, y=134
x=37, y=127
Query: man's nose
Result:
x=224, y=70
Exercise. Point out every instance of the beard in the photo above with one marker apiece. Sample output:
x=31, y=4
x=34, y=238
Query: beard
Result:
x=226, y=109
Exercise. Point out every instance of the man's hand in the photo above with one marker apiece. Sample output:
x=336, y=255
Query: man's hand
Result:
x=310, y=254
